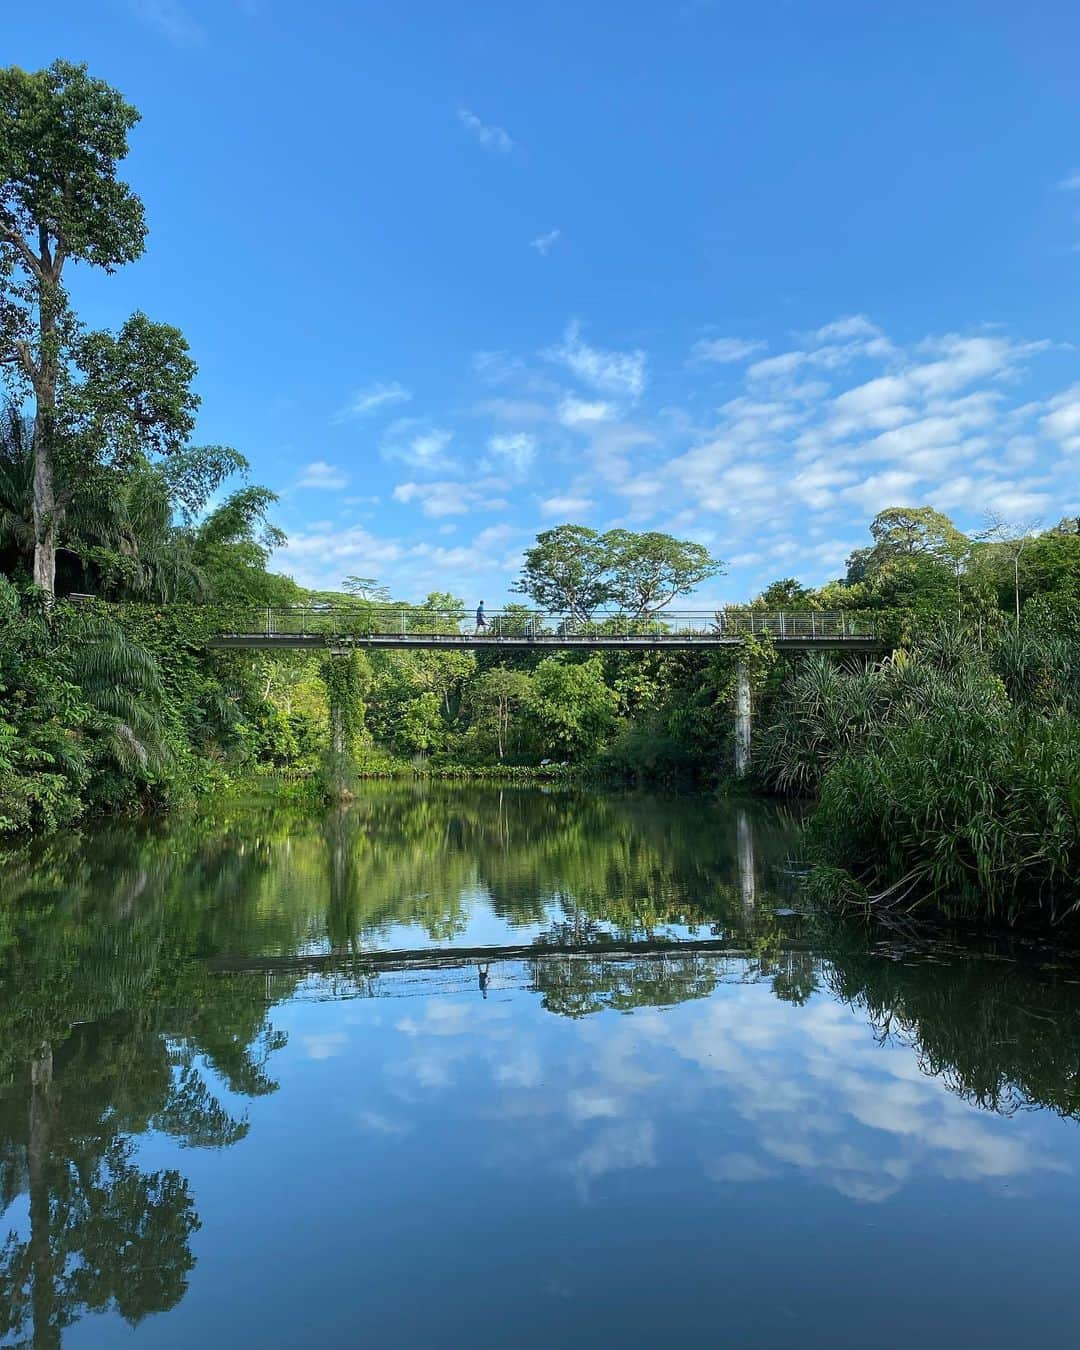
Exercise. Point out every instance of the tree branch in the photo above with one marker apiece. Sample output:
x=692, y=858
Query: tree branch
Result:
x=10, y=235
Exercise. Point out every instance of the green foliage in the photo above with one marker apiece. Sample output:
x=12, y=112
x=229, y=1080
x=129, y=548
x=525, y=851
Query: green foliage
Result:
x=649, y=570
x=576, y=570
x=62, y=134
x=565, y=570
x=947, y=777
x=571, y=710
x=975, y=811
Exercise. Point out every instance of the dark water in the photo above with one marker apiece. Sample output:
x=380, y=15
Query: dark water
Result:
x=259, y=1085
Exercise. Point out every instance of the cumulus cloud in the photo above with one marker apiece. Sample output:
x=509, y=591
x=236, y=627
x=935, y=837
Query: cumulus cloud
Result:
x=620, y=373
x=437, y=500
x=378, y=395
x=877, y=425
x=319, y=474
x=490, y=137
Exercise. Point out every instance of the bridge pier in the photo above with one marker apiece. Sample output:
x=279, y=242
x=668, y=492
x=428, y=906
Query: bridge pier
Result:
x=743, y=720
x=337, y=720
x=744, y=834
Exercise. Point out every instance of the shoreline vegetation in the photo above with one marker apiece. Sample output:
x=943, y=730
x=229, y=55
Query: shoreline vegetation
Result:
x=945, y=777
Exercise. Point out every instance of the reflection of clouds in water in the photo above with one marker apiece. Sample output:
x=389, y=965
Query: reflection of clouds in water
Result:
x=737, y=1167
x=783, y=1088
x=588, y=1104
x=827, y=1100
x=323, y=1045
x=378, y=1123
x=615, y=1148
x=445, y=1017
x=523, y=1069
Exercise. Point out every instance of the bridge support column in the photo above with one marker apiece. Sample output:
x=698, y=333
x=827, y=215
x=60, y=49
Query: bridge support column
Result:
x=744, y=832
x=337, y=722
x=742, y=720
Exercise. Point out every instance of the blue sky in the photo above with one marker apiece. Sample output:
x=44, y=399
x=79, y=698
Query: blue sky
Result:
x=455, y=273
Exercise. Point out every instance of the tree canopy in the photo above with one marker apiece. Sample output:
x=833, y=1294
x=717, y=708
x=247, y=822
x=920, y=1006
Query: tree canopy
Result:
x=577, y=570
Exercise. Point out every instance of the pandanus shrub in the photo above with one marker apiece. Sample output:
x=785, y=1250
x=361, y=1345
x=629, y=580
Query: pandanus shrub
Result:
x=946, y=777
x=975, y=812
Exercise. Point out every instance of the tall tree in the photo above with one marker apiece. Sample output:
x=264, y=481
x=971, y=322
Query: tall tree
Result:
x=95, y=396
x=649, y=570
x=566, y=571
x=1011, y=539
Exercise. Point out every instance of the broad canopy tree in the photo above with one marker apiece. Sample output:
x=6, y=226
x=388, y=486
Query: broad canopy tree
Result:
x=577, y=570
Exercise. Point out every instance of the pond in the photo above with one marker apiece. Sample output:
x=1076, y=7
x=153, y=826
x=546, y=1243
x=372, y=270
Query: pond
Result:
x=478, y=1067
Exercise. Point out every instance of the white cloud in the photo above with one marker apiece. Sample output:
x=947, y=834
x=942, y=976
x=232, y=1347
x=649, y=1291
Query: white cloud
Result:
x=378, y=395
x=324, y=1044
x=1062, y=422
x=567, y=505
x=490, y=137
x=576, y=412
x=619, y=373
x=417, y=444
x=728, y=349
x=319, y=474
x=844, y=329
x=437, y=500
x=515, y=410
x=515, y=448
x=543, y=243
x=880, y=490
x=496, y=367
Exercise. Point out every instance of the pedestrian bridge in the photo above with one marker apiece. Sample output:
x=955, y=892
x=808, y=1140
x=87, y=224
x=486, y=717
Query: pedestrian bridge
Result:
x=341, y=628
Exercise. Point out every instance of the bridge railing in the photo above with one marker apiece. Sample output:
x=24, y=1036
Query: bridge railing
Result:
x=398, y=621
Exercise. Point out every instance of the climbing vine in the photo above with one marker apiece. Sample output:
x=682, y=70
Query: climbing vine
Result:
x=347, y=678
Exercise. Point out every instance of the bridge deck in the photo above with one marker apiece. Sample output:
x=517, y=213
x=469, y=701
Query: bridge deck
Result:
x=343, y=629
x=471, y=642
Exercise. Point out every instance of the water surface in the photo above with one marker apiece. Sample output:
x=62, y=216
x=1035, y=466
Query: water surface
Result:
x=489, y=1068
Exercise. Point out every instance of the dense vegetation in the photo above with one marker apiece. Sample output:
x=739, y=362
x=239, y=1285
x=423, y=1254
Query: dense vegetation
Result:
x=946, y=776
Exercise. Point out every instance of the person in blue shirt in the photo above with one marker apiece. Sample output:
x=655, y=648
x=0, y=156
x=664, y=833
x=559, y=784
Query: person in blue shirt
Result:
x=481, y=622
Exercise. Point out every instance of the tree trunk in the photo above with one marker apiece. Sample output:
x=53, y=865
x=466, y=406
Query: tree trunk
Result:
x=44, y=377
x=45, y=515
x=46, y=1333
x=337, y=725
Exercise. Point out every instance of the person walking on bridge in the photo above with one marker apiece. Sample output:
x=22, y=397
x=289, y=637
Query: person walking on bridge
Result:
x=481, y=621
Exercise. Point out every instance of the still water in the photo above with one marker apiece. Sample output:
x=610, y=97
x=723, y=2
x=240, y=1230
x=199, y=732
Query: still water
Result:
x=482, y=1068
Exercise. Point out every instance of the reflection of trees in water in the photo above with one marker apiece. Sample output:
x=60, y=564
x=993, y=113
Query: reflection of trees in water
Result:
x=108, y=1029
x=1000, y=1032
x=575, y=986
x=112, y=1025
x=633, y=864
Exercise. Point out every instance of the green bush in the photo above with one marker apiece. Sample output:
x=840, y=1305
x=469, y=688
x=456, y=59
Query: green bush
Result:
x=974, y=812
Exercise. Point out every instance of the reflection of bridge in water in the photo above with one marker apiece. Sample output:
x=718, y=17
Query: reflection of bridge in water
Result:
x=341, y=629
x=364, y=962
